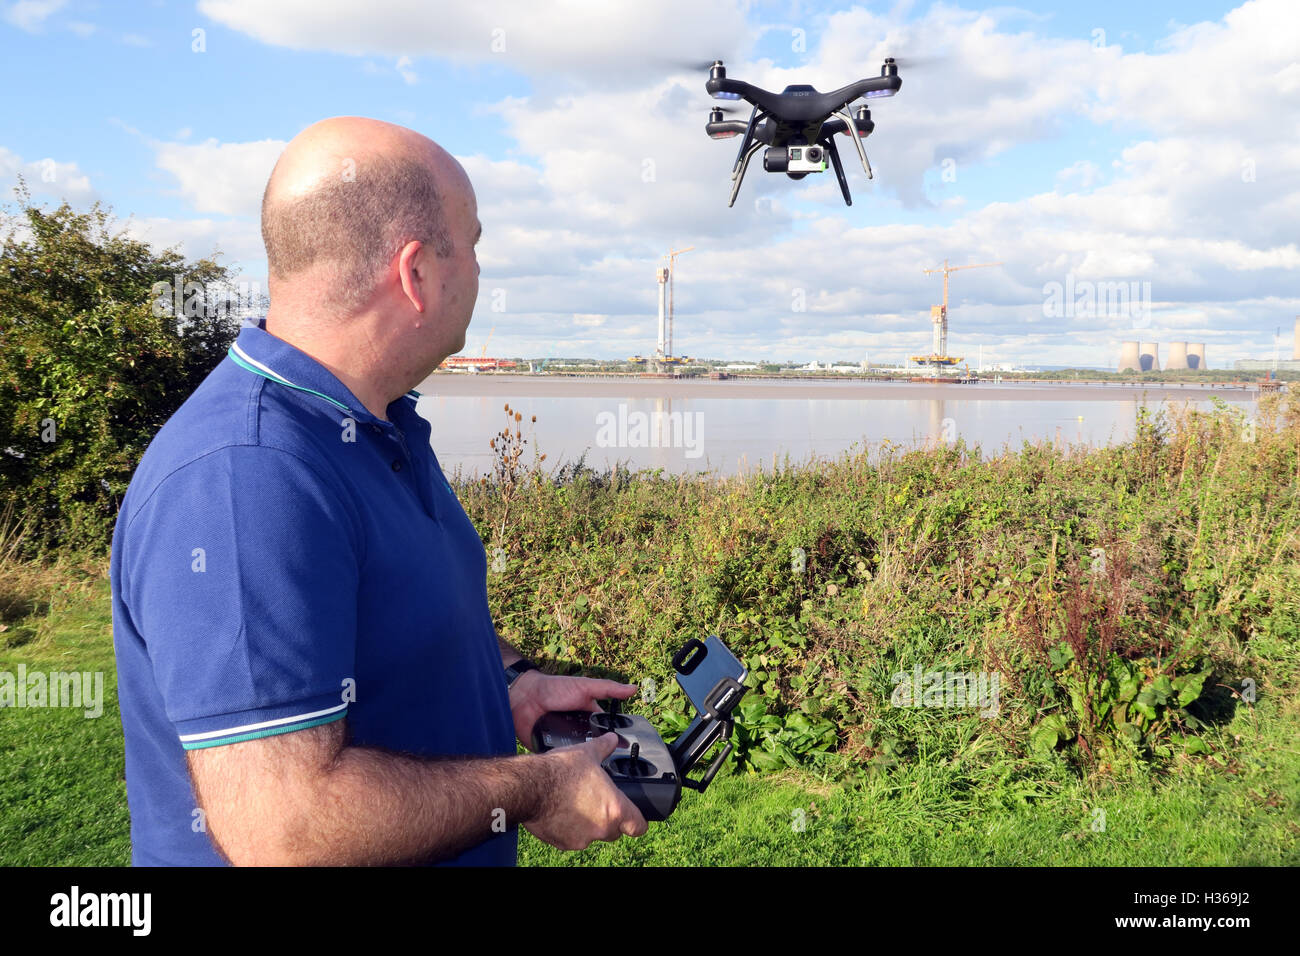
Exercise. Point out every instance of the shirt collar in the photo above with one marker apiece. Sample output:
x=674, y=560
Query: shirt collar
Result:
x=261, y=353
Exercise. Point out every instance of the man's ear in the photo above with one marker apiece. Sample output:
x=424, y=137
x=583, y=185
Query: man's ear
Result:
x=414, y=282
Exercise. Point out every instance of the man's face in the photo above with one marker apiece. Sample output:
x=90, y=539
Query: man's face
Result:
x=461, y=269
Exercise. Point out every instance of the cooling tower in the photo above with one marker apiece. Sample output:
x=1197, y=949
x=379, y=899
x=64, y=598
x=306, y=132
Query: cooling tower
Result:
x=1295, y=352
x=1196, y=356
x=1177, y=355
x=1128, y=357
x=1149, y=356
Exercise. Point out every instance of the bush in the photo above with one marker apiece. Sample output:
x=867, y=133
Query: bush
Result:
x=1129, y=597
x=91, y=364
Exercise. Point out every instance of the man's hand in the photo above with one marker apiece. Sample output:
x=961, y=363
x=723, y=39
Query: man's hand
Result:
x=584, y=805
x=535, y=693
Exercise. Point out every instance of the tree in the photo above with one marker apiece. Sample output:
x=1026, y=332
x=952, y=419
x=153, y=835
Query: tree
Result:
x=92, y=363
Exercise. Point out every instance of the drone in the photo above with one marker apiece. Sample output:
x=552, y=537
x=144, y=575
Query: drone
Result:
x=795, y=125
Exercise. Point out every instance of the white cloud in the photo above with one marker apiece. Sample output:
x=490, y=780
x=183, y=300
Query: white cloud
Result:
x=1219, y=78
x=610, y=168
x=1204, y=210
x=45, y=177
x=223, y=178
x=239, y=242
x=1087, y=173
x=592, y=41
x=979, y=92
x=30, y=15
x=81, y=28
x=403, y=67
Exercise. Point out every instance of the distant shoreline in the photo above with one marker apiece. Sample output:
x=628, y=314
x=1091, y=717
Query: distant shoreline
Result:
x=491, y=384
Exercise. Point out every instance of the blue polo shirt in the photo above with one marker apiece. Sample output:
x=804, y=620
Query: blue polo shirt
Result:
x=283, y=558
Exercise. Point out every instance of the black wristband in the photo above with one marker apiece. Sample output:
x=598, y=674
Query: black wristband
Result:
x=517, y=668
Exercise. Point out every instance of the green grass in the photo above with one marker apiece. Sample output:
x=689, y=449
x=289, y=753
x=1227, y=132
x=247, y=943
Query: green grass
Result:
x=62, y=775
x=915, y=818
x=63, y=796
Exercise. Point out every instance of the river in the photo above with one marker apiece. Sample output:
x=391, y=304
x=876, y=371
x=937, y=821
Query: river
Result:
x=740, y=425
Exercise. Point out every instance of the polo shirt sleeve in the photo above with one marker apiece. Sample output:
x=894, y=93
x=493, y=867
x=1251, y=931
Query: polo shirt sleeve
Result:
x=241, y=576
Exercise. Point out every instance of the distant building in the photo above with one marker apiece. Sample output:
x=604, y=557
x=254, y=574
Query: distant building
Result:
x=469, y=362
x=1266, y=365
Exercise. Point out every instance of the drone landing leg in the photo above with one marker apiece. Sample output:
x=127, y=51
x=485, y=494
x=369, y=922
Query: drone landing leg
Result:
x=839, y=168
x=740, y=176
x=744, y=143
x=857, y=140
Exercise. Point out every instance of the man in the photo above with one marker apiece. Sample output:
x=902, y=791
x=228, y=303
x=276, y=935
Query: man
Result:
x=307, y=668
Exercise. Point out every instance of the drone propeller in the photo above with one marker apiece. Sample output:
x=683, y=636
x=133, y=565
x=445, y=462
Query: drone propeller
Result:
x=681, y=63
x=701, y=66
x=917, y=62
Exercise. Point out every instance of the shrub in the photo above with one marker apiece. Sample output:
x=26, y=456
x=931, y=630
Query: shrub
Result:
x=91, y=364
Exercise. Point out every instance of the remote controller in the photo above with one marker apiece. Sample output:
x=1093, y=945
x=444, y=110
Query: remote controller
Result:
x=648, y=771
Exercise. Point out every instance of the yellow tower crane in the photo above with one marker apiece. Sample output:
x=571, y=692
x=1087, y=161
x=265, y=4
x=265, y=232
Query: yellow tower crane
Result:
x=939, y=317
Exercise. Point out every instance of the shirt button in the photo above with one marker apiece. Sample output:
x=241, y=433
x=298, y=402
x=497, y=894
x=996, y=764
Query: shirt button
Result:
x=397, y=465
x=374, y=429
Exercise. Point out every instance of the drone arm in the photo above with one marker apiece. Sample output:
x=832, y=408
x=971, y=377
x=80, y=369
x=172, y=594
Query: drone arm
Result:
x=886, y=85
x=831, y=148
x=745, y=91
x=833, y=126
x=726, y=85
x=726, y=126
x=857, y=140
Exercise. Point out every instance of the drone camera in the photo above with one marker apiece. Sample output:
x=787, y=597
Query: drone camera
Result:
x=806, y=159
x=795, y=159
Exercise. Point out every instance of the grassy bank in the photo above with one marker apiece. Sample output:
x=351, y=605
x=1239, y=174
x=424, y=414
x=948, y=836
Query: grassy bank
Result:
x=1140, y=605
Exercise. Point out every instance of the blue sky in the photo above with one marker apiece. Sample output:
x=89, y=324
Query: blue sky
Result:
x=1108, y=142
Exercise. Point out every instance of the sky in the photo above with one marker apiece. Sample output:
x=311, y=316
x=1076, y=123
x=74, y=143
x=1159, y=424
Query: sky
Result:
x=1135, y=168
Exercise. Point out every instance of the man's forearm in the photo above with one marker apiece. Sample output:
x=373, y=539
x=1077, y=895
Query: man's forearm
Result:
x=399, y=809
x=508, y=654
x=362, y=807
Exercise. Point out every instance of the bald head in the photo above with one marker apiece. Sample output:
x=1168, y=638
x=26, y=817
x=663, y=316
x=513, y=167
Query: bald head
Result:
x=346, y=195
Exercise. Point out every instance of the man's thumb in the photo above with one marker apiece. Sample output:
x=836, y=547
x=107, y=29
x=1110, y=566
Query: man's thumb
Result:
x=605, y=744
